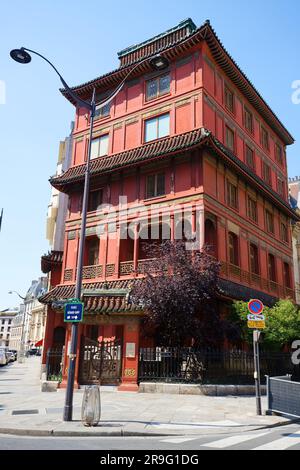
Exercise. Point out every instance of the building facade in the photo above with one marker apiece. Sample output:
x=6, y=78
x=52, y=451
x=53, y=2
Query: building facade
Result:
x=51, y=263
x=6, y=320
x=29, y=323
x=16, y=329
x=294, y=190
x=194, y=145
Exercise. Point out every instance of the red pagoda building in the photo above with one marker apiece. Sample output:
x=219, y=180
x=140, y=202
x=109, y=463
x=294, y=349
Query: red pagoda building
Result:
x=196, y=138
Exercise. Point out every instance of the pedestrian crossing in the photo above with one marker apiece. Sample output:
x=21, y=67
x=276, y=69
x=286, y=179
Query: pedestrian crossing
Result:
x=264, y=440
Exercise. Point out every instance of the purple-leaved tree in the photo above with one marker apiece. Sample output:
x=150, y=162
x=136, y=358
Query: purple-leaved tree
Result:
x=178, y=295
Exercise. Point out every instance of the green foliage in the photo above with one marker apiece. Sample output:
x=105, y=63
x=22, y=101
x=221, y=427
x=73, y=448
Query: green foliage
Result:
x=282, y=323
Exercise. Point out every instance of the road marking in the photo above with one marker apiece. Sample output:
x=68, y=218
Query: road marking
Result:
x=179, y=440
x=233, y=440
x=282, y=443
x=209, y=425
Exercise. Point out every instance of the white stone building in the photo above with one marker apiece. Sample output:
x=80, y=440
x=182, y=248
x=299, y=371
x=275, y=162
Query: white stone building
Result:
x=6, y=319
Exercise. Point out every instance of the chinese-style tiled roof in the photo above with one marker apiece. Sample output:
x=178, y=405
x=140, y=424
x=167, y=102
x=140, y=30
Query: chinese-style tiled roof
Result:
x=111, y=299
x=163, y=148
x=53, y=258
x=159, y=148
x=172, y=46
x=114, y=303
x=179, y=32
x=236, y=291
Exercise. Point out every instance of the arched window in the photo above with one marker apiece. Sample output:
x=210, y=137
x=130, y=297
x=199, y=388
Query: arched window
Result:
x=272, y=268
x=233, y=243
x=211, y=237
x=254, y=262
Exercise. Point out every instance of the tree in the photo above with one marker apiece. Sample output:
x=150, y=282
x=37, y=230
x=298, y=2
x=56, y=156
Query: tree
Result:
x=282, y=323
x=178, y=295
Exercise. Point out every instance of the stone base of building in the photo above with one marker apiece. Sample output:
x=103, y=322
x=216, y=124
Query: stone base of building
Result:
x=124, y=387
x=195, y=389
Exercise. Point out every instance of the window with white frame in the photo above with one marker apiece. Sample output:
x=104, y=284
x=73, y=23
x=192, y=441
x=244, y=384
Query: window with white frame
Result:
x=157, y=127
x=100, y=146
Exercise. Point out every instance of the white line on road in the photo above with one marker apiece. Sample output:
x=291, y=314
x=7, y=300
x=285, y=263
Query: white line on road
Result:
x=179, y=440
x=282, y=443
x=233, y=440
x=208, y=425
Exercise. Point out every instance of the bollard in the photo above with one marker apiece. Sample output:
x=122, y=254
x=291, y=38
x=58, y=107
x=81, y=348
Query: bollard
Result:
x=91, y=406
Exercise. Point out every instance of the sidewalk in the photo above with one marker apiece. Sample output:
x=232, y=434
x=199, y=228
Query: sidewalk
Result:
x=25, y=410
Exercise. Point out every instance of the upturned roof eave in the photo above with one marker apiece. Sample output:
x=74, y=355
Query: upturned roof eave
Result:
x=205, y=138
x=222, y=57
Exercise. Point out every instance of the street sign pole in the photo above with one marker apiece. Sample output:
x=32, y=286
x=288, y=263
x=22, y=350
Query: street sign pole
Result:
x=256, y=334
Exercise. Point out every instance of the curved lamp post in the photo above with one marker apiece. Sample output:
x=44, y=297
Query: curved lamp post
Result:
x=157, y=62
x=21, y=351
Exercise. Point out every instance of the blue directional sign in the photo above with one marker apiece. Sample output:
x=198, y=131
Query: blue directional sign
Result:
x=73, y=311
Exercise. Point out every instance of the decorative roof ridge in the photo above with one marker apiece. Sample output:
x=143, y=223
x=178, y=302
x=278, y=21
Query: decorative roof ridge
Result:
x=204, y=32
x=52, y=258
x=187, y=23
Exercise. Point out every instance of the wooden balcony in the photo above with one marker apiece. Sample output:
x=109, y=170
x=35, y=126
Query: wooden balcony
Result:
x=236, y=274
x=126, y=268
x=68, y=275
x=92, y=272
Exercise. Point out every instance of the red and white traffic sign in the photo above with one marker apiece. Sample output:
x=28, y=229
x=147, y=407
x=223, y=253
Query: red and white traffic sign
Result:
x=255, y=306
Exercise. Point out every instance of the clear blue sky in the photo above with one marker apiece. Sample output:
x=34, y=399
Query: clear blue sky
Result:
x=82, y=38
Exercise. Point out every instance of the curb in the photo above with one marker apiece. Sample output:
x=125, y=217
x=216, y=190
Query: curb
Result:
x=125, y=433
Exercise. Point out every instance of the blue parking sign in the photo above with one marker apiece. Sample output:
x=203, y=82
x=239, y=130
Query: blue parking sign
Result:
x=73, y=312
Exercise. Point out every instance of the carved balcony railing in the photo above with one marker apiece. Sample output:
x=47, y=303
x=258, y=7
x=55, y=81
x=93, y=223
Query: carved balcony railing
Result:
x=235, y=273
x=110, y=270
x=92, y=272
x=68, y=275
x=144, y=265
x=126, y=268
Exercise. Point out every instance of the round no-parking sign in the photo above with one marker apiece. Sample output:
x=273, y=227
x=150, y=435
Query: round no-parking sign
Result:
x=255, y=306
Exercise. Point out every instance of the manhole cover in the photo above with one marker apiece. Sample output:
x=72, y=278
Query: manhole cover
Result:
x=25, y=412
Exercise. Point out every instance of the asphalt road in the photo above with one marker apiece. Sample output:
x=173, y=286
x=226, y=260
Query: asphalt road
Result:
x=280, y=438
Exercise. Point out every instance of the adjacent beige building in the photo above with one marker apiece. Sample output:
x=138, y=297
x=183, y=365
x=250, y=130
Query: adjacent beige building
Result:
x=294, y=190
x=6, y=319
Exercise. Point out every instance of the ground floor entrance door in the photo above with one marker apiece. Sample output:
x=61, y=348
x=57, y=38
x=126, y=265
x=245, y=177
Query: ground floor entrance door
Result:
x=100, y=362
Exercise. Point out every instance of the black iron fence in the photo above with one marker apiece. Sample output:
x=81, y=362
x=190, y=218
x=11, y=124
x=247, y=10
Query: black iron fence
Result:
x=210, y=366
x=54, y=364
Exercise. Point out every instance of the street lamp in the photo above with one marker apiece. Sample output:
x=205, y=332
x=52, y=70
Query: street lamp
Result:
x=22, y=56
x=21, y=351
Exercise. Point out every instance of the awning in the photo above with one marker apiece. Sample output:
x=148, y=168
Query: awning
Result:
x=39, y=343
